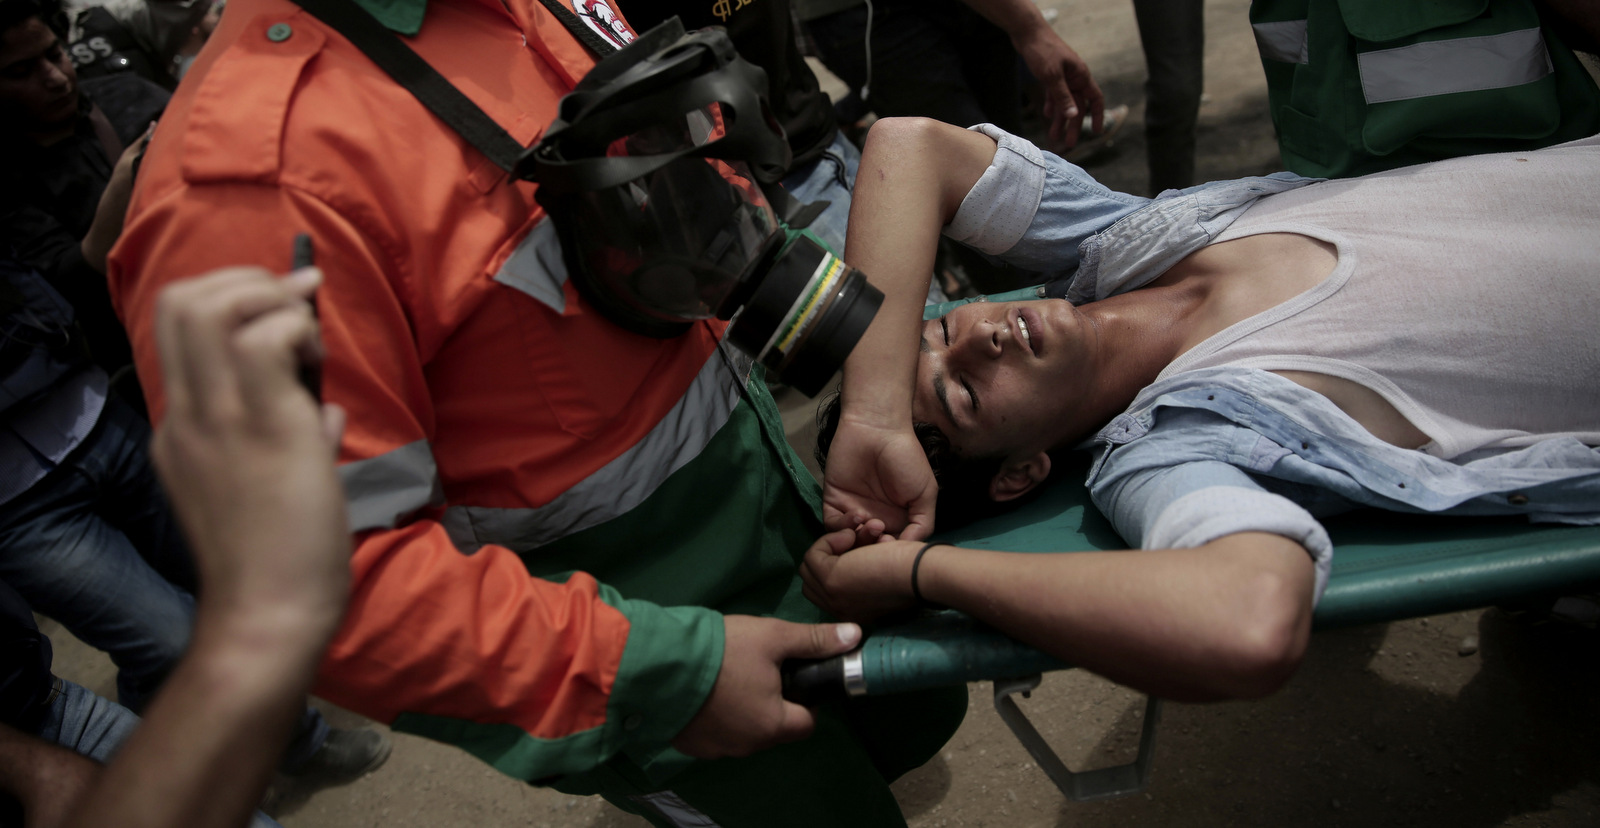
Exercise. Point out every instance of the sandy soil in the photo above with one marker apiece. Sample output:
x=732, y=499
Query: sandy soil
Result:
x=1461, y=720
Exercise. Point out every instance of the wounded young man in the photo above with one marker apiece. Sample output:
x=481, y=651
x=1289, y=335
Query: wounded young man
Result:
x=1240, y=358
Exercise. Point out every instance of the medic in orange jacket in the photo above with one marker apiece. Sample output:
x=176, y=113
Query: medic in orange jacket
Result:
x=497, y=427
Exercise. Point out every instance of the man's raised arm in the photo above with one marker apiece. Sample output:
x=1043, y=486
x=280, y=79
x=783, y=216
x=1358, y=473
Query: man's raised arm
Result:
x=914, y=174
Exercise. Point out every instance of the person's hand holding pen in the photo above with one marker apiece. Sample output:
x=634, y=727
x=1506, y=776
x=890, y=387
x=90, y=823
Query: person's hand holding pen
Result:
x=247, y=458
x=245, y=451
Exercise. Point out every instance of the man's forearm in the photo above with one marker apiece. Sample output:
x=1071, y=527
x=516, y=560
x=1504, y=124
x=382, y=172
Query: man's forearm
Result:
x=1226, y=620
x=46, y=779
x=914, y=174
x=1018, y=18
x=210, y=740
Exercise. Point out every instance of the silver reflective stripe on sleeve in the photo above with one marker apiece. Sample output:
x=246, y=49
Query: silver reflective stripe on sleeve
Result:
x=1440, y=67
x=385, y=489
x=1284, y=41
x=621, y=484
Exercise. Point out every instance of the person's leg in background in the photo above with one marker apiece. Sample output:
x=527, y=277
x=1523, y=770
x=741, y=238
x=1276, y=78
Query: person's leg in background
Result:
x=1173, y=35
x=830, y=177
x=93, y=545
x=69, y=562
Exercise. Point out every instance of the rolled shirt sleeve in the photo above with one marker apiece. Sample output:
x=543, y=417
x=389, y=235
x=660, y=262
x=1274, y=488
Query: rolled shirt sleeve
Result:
x=1190, y=504
x=1032, y=208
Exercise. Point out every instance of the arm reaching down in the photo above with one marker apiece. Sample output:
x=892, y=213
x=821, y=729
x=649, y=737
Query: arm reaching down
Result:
x=1070, y=93
x=247, y=456
x=1229, y=619
x=914, y=174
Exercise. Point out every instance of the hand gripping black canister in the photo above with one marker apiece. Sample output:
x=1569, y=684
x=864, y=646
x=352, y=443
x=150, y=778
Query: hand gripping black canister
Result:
x=661, y=174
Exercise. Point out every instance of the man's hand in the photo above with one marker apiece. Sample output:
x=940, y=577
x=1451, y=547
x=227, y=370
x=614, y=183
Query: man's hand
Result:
x=878, y=473
x=861, y=584
x=1070, y=93
x=746, y=711
x=246, y=453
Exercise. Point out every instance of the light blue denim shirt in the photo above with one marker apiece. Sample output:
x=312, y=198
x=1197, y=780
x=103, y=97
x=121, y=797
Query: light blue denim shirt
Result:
x=1213, y=452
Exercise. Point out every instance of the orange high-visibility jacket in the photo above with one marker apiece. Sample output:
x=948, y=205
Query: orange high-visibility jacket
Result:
x=499, y=429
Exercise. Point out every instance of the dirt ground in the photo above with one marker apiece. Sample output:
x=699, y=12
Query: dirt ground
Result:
x=1466, y=720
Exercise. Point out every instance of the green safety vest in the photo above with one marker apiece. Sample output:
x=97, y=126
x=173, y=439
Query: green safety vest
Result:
x=1359, y=86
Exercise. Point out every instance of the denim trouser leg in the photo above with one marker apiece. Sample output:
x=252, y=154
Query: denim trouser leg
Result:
x=68, y=546
x=830, y=177
x=87, y=724
x=94, y=546
x=94, y=727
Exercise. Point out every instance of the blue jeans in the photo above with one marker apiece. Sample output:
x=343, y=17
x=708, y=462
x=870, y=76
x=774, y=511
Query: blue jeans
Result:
x=94, y=545
x=95, y=727
x=830, y=178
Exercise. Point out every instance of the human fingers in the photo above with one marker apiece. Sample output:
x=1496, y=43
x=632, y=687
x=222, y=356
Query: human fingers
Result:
x=176, y=334
x=269, y=350
x=868, y=532
x=815, y=640
x=333, y=422
x=1061, y=113
x=1073, y=129
x=212, y=314
x=1096, y=101
x=795, y=723
x=835, y=543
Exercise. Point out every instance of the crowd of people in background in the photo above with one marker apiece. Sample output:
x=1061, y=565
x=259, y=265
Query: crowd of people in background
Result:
x=213, y=564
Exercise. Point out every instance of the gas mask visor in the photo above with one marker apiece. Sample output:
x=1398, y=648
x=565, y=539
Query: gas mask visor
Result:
x=660, y=173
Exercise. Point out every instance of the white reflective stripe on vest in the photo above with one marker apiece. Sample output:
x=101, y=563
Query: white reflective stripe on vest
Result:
x=1284, y=41
x=617, y=487
x=1441, y=67
x=384, y=490
x=536, y=267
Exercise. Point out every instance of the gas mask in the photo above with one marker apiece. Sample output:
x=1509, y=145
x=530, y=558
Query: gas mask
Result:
x=661, y=174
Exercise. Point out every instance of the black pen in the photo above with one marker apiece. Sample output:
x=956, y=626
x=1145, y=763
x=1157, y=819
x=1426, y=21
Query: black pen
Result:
x=310, y=373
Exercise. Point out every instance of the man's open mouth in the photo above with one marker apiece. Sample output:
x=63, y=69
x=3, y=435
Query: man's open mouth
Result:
x=1025, y=332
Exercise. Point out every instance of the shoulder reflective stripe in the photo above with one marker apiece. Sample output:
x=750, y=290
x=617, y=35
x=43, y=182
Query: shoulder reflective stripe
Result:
x=384, y=489
x=536, y=267
x=1284, y=41
x=621, y=484
x=1440, y=67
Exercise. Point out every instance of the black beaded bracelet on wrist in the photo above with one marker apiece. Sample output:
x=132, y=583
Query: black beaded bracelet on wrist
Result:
x=916, y=563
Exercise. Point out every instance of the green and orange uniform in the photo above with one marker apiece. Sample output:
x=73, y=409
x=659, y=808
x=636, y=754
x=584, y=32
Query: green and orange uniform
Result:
x=552, y=512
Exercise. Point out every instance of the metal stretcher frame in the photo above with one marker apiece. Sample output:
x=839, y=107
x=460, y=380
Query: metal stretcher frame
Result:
x=1386, y=567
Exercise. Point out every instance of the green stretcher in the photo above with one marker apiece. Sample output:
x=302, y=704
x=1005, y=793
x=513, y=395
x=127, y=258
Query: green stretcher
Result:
x=1386, y=567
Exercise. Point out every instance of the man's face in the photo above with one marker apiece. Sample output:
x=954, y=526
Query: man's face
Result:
x=37, y=82
x=1001, y=378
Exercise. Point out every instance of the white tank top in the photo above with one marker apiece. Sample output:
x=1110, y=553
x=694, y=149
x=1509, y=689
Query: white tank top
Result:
x=1466, y=294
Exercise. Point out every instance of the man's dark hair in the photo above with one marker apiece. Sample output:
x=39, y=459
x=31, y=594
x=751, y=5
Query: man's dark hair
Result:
x=13, y=12
x=963, y=481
